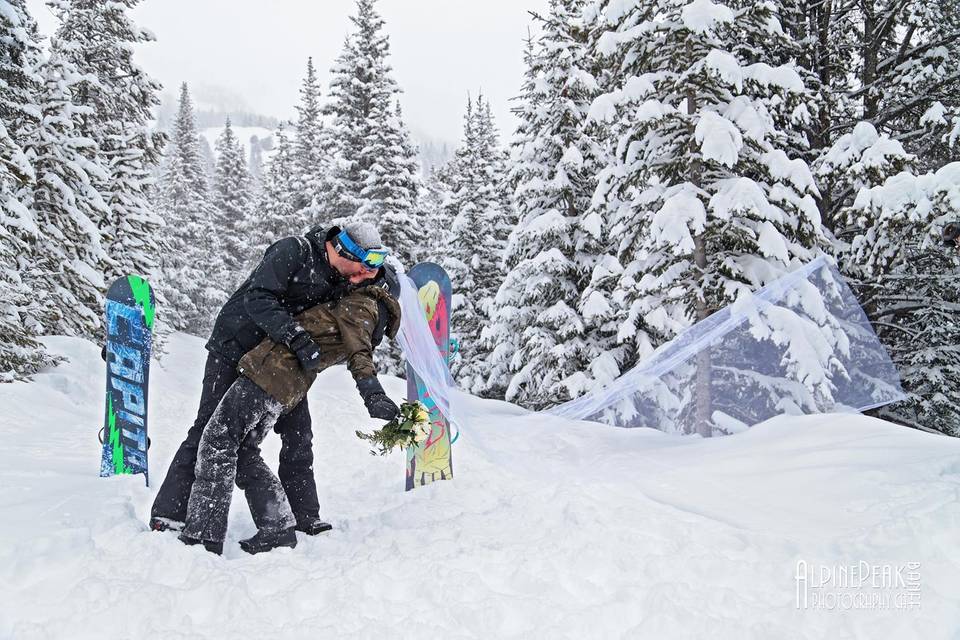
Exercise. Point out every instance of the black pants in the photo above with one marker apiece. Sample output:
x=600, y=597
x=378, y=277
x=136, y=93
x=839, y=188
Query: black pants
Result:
x=242, y=419
x=296, y=455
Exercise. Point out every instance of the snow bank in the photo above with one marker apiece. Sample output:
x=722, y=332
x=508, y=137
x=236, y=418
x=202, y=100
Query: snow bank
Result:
x=550, y=529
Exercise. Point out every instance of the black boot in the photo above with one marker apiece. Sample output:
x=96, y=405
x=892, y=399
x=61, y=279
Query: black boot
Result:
x=212, y=547
x=165, y=524
x=312, y=525
x=266, y=540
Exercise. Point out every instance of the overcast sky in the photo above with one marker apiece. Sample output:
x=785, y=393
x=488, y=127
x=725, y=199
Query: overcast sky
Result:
x=257, y=51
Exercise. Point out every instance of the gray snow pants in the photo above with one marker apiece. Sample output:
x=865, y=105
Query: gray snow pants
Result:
x=296, y=454
x=243, y=418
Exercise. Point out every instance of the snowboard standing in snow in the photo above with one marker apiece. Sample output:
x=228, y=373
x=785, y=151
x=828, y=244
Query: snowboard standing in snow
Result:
x=129, y=323
x=431, y=460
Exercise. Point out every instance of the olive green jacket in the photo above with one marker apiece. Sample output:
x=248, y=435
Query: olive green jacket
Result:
x=344, y=333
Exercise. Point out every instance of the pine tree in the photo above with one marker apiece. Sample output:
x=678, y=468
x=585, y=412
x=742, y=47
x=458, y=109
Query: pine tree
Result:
x=231, y=200
x=392, y=190
x=361, y=92
x=495, y=160
x=887, y=108
x=19, y=69
x=435, y=213
x=310, y=148
x=277, y=215
x=709, y=204
x=542, y=340
x=186, y=142
x=255, y=163
x=904, y=279
x=21, y=354
x=908, y=83
x=209, y=159
x=191, y=261
x=69, y=262
x=473, y=259
x=97, y=38
x=885, y=63
x=391, y=196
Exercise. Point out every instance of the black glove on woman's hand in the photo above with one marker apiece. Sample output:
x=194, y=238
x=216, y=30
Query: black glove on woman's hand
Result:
x=381, y=407
x=378, y=404
x=307, y=352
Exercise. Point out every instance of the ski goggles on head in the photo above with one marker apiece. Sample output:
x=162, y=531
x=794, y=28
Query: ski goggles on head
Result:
x=370, y=258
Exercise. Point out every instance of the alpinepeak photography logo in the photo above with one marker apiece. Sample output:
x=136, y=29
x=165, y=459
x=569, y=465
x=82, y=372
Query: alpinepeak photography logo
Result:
x=862, y=585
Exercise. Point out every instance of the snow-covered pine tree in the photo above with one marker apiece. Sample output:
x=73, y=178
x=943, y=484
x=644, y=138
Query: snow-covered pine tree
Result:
x=909, y=82
x=98, y=37
x=21, y=354
x=276, y=215
x=496, y=161
x=904, y=279
x=19, y=69
x=473, y=257
x=709, y=203
x=908, y=284
x=255, y=163
x=362, y=89
x=392, y=189
x=232, y=203
x=542, y=346
x=888, y=104
x=886, y=63
x=133, y=228
x=186, y=143
x=436, y=192
x=597, y=302
x=310, y=155
x=391, y=195
x=68, y=262
x=209, y=159
x=191, y=259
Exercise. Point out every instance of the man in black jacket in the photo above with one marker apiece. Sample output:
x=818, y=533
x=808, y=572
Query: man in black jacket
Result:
x=295, y=274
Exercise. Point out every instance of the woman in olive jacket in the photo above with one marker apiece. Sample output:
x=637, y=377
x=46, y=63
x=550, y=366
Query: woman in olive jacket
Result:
x=273, y=381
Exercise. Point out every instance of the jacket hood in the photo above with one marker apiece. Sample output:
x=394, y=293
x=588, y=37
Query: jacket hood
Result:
x=386, y=300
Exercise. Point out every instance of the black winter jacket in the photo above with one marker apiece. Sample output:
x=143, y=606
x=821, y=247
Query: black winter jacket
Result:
x=293, y=276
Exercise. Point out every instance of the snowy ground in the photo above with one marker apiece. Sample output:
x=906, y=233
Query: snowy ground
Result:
x=582, y=531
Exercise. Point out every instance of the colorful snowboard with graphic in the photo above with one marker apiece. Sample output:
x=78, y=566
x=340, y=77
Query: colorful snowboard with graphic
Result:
x=130, y=314
x=431, y=460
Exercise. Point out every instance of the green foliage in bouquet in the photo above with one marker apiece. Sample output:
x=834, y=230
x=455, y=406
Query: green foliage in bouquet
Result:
x=409, y=428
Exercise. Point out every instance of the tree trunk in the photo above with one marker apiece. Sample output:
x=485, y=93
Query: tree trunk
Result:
x=871, y=45
x=704, y=411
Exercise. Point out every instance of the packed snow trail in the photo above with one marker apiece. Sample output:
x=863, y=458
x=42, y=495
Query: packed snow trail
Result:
x=575, y=530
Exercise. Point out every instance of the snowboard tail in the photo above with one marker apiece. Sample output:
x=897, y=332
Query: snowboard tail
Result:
x=431, y=460
x=130, y=312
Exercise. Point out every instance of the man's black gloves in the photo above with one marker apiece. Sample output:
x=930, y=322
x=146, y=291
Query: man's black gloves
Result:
x=306, y=350
x=378, y=404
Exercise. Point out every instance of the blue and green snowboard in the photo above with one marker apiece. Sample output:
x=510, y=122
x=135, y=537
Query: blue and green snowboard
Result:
x=130, y=313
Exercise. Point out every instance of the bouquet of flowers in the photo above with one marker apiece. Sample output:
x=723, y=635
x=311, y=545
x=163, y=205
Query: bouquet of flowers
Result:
x=410, y=427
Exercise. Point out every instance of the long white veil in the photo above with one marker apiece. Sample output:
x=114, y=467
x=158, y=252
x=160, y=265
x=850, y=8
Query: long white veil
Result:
x=799, y=345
